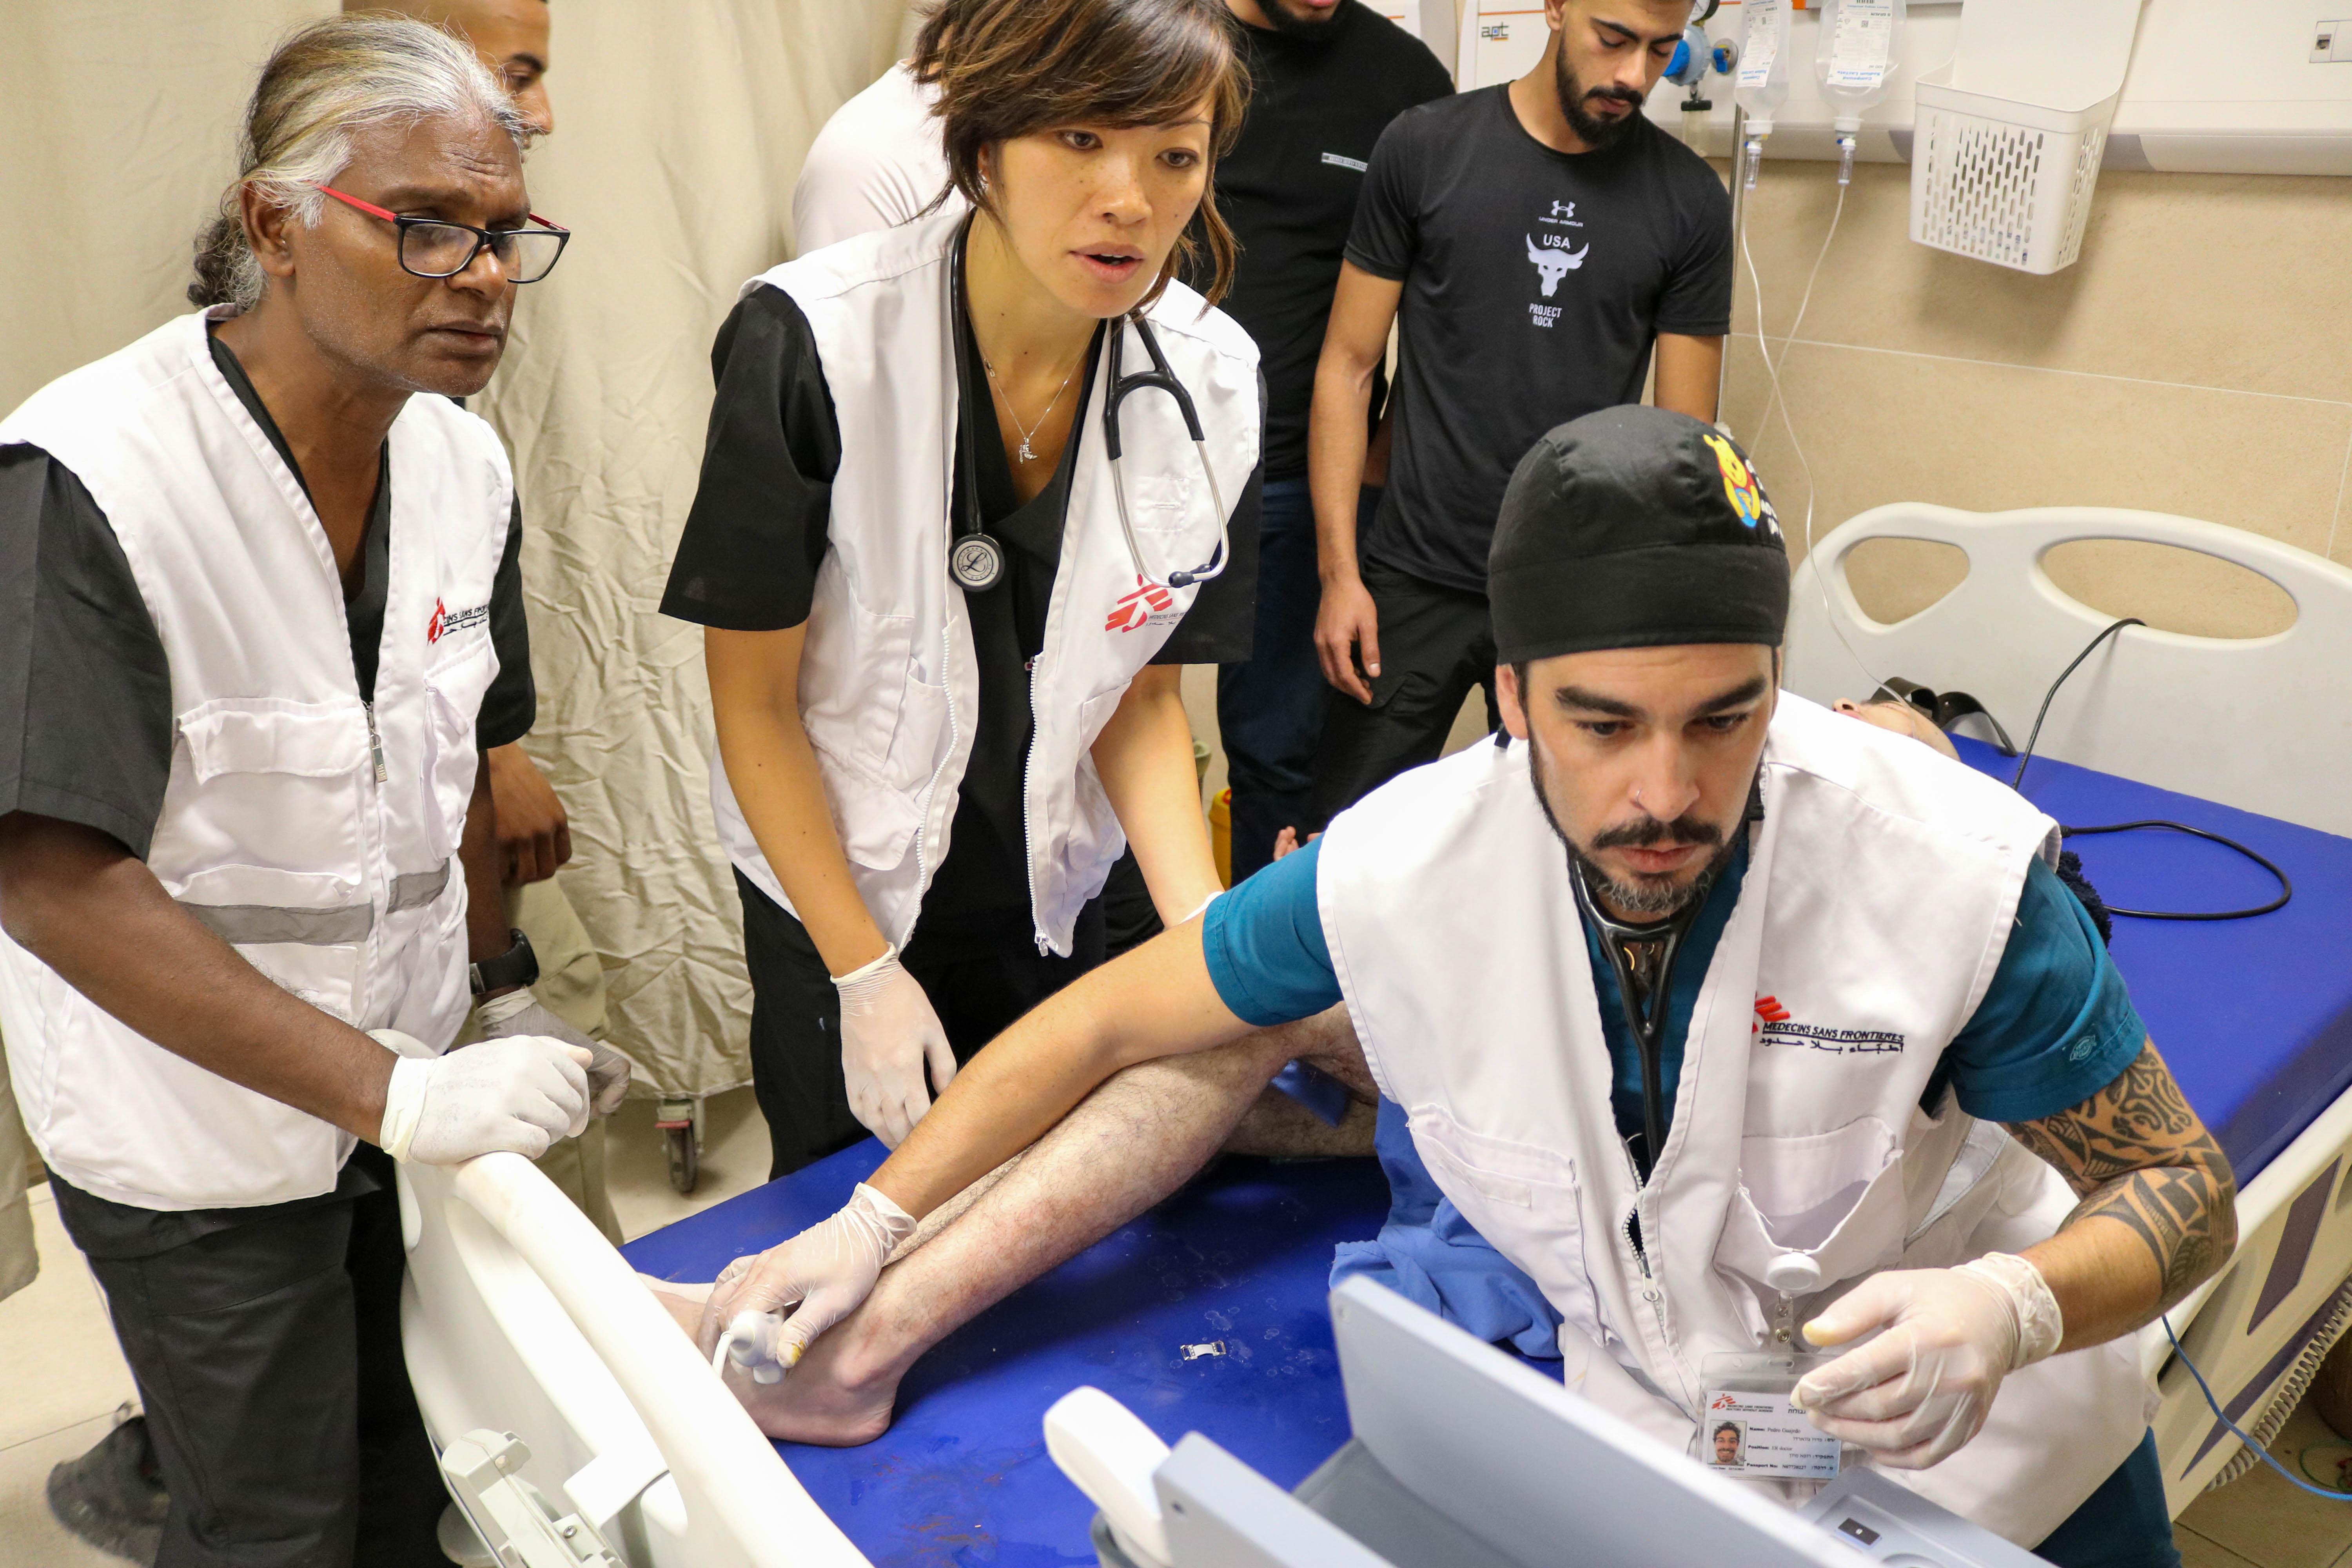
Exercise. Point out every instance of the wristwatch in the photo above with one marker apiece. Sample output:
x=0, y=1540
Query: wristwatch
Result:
x=518, y=966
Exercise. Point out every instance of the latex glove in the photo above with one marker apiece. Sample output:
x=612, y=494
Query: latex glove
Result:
x=519, y=1013
x=1922, y=1388
x=827, y=1269
x=888, y=1032
x=514, y=1096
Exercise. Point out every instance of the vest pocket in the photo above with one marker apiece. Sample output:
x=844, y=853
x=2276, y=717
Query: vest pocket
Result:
x=267, y=785
x=876, y=812
x=1165, y=503
x=1837, y=1196
x=856, y=678
x=1523, y=1200
x=453, y=704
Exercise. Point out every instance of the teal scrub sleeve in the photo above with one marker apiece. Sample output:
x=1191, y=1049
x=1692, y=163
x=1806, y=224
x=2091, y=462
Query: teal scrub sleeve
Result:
x=2057, y=1025
x=1263, y=942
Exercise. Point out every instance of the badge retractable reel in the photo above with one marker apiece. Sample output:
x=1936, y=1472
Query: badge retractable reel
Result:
x=1749, y=1424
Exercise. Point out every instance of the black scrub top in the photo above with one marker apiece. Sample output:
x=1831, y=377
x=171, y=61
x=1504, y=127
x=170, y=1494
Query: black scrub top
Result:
x=757, y=531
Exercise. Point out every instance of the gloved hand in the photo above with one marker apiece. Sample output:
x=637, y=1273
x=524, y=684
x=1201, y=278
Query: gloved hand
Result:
x=519, y=1013
x=887, y=1032
x=514, y=1096
x=1922, y=1388
x=827, y=1269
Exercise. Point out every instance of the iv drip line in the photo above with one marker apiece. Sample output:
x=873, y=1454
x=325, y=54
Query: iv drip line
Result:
x=1779, y=399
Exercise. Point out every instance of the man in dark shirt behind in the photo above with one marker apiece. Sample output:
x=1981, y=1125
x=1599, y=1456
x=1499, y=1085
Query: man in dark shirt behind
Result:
x=1328, y=77
x=1535, y=239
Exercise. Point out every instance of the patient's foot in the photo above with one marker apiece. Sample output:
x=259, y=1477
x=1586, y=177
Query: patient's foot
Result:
x=839, y=1396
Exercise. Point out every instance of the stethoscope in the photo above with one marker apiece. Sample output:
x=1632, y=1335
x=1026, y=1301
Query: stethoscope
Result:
x=1659, y=944
x=975, y=560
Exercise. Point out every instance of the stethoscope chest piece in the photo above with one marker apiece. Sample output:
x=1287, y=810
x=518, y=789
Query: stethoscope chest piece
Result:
x=976, y=562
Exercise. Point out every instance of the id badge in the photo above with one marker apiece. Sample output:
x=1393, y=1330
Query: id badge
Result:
x=1750, y=1426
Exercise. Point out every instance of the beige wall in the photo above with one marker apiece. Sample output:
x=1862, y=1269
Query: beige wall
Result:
x=2197, y=360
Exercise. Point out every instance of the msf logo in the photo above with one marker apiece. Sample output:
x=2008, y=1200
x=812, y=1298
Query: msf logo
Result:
x=1137, y=609
x=1552, y=266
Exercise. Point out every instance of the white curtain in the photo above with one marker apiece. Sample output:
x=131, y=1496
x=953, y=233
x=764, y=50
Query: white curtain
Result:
x=679, y=129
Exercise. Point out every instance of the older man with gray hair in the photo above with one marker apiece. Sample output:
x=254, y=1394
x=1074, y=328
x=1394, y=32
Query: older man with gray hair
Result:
x=264, y=616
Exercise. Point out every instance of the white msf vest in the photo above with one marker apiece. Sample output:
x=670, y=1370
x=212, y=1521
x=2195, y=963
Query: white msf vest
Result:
x=1881, y=889
x=316, y=836
x=889, y=685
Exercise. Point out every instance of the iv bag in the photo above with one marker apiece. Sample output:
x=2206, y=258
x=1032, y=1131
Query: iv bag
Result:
x=1763, y=84
x=1855, y=55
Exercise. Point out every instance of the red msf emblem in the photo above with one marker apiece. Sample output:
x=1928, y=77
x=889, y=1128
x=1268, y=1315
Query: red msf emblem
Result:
x=1724, y=1402
x=1769, y=1008
x=433, y=631
x=1139, y=606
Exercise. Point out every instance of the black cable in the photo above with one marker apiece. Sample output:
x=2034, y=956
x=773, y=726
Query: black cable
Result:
x=2286, y=887
x=2027, y=755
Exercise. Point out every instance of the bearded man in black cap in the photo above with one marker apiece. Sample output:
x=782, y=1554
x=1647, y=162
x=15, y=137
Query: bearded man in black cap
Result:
x=1732, y=1068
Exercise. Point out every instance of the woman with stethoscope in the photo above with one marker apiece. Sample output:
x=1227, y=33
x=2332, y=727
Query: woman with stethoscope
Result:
x=976, y=488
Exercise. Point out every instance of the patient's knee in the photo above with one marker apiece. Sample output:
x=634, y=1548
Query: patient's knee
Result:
x=1278, y=1126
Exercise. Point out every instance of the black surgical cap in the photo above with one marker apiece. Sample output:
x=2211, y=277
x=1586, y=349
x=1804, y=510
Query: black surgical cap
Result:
x=1635, y=527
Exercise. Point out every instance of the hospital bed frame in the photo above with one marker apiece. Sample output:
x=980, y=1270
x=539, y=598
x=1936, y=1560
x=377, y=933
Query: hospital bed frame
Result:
x=630, y=1450
x=2259, y=1329
x=538, y=1326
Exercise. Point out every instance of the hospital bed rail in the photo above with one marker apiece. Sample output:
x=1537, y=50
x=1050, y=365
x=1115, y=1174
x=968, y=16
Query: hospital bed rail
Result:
x=2143, y=708
x=2258, y=1329
x=539, y=1329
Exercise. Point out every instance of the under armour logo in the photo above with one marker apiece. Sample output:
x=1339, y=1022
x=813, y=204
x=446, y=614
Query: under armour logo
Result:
x=1136, y=608
x=1563, y=209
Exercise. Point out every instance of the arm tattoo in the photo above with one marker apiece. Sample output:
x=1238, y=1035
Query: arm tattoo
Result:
x=2137, y=1154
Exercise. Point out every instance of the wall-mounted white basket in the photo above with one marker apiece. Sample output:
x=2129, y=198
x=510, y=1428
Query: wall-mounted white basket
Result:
x=2001, y=181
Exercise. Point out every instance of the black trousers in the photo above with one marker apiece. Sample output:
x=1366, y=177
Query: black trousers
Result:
x=977, y=992
x=265, y=1344
x=1437, y=645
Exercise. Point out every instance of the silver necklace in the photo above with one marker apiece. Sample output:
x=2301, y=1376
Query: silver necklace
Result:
x=1025, y=453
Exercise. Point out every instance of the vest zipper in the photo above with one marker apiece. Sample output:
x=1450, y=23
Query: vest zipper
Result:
x=1649, y=1291
x=376, y=743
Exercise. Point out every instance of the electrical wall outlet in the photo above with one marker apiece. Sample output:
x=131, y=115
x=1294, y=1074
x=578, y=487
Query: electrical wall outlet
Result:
x=2332, y=41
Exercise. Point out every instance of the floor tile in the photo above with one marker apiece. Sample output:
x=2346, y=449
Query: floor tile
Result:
x=30, y=1537
x=2269, y=1522
x=636, y=1160
x=58, y=1362
x=2196, y=1552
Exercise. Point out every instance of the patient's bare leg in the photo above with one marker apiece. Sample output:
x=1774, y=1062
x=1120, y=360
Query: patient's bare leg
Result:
x=1131, y=1144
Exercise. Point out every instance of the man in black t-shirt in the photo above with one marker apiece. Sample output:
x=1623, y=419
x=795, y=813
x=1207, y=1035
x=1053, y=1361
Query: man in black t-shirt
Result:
x=1326, y=78
x=1534, y=241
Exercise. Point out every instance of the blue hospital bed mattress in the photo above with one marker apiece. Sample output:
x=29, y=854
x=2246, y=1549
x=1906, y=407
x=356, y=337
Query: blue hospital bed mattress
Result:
x=2255, y=1018
x=1235, y=1266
